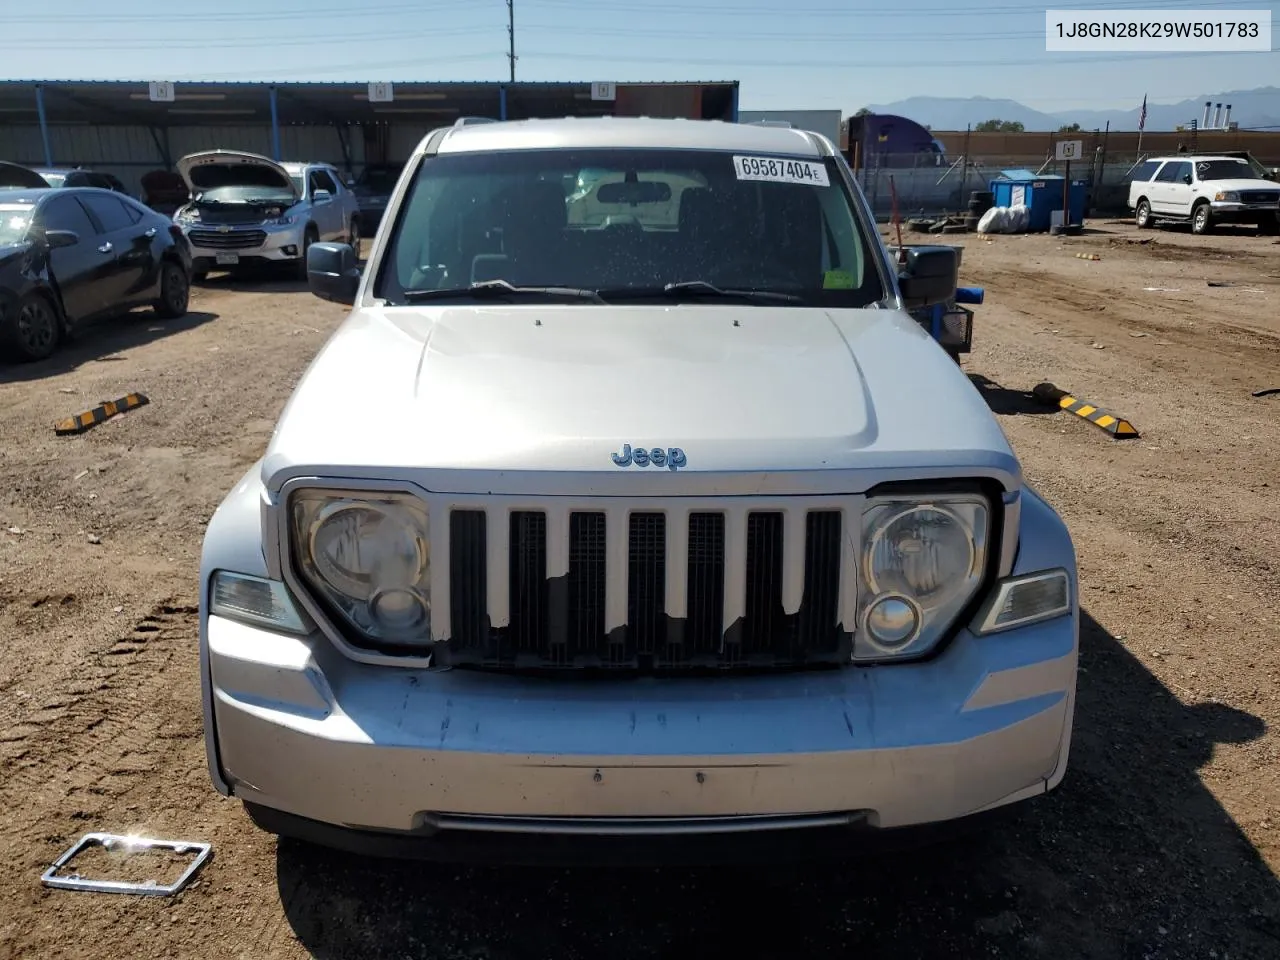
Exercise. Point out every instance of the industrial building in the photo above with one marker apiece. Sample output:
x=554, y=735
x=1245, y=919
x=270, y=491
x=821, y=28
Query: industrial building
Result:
x=127, y=128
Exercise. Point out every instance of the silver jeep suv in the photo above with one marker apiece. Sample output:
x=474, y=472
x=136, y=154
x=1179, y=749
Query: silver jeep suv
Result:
x=635, y=518
x=246, y=209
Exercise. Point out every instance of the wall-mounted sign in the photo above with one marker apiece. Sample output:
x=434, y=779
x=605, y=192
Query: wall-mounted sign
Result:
x=381, y=93
x=1070, y=149
x=161, y=91
x=604, y=90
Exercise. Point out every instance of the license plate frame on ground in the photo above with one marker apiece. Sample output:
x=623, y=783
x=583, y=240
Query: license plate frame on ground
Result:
x=111, y=841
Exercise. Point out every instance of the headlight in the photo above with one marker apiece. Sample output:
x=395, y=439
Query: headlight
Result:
x=1229, y=196
x=922, y=562
x=283, y=221
x=187, y=215
x=368, y=556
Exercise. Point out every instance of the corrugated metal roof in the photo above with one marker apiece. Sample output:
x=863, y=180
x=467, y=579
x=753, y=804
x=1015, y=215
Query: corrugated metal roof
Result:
x=121, y=102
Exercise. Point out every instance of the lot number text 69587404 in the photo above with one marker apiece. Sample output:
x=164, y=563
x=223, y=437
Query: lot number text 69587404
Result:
x=781, y=170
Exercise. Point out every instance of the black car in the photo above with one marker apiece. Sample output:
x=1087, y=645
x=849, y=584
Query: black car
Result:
x=79, y=253
x=373, y=189
x=80, y=177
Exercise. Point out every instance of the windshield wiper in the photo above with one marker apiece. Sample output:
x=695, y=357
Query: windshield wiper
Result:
x=497, y=289
x=697, y=289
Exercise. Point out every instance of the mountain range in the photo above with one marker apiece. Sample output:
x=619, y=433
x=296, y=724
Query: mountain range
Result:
x=1250, y=108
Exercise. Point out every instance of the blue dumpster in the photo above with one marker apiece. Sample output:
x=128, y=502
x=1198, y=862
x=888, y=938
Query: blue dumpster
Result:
x=1041, y=194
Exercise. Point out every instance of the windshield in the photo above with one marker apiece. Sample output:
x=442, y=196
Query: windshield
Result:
x=646, y=219
x=54, y=179
x=1223, y=170
x=246, y=194
x=15, y=218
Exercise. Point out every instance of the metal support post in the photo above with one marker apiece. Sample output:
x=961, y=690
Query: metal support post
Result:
x=275, y=127
x=44, y=125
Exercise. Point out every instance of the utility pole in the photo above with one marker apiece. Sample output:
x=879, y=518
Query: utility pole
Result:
x=511, y=36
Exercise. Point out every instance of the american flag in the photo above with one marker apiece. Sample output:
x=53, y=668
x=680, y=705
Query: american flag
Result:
x=1142, y=115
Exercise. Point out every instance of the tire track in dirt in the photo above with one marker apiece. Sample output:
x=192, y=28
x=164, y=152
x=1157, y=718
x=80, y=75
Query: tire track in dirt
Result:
x=100, y=720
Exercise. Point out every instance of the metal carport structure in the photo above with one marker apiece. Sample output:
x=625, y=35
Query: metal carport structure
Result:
x=117, y=127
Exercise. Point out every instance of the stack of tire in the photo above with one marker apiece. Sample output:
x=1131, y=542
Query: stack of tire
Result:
x=980, y=201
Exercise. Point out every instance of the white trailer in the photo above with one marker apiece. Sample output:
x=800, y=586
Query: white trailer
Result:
x=825, y=122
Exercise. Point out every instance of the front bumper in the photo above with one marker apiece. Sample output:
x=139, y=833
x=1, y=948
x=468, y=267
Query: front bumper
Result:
x=294, y=726
x=212, y=246
x=1231, y=212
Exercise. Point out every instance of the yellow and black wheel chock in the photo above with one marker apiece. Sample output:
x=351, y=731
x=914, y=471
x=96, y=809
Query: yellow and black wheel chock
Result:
x=1117, y=426
x=99, y=414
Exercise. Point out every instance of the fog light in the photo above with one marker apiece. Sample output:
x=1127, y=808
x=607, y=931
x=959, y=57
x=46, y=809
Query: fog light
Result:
x=892, y=622
x=290, y=250
x=400, y=612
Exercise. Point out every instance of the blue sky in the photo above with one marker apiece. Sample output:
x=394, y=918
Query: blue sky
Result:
x=788, y=54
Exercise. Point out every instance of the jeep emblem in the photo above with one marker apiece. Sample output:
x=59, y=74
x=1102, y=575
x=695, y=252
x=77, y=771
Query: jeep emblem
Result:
x=671, y=457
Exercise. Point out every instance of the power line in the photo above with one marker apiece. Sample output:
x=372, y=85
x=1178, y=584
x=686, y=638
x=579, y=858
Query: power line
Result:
x=861, y=64
x=951, y=10
x=71, y=20
x=187, y=43
x=425, y=6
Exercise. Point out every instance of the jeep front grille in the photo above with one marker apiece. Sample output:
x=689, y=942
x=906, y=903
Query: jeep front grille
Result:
x=669, y=589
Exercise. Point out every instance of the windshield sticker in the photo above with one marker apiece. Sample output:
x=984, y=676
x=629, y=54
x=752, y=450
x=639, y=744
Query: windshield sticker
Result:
x=838, y=280
x=775, y=170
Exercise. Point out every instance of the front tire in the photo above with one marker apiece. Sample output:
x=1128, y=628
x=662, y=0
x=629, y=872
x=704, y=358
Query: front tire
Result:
x=353, y=235
x=33, y=332
x=1142, y=217
x=175, y=292
x=1200, y=220
x=309, y=236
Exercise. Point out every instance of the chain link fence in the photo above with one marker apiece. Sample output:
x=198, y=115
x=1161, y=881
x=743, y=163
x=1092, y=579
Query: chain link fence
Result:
x=925, y=189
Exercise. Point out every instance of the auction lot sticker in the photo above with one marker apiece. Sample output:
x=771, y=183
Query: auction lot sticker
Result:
x=781, y=170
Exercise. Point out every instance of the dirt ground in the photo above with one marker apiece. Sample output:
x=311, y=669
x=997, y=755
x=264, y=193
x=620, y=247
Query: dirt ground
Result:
x=1164, y=840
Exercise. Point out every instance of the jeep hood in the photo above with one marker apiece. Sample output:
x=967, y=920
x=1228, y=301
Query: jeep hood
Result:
x=517, y=391
x=232, y=168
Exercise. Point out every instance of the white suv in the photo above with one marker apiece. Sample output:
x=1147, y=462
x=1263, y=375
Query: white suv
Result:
x=1206, y=190
x=247, y=209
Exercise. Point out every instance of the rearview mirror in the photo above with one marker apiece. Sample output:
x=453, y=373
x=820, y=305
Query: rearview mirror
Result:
x=929, y=276
x=333, y=273
x=637, y=191
x=61, y=238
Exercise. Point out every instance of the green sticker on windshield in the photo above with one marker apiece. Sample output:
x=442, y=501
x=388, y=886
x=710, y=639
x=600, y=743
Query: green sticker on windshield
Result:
x=838, y=280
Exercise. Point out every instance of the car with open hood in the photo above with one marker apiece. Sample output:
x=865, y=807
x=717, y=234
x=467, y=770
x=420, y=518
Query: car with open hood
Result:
x=248, y=210
x=645, y=533
x=75, y=254
x=1206, y=190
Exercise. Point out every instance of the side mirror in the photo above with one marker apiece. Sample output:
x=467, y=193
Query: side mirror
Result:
x=930, y=275
x=321, y=196
x=333, y=272
x=61, y=238
x=1187, y=179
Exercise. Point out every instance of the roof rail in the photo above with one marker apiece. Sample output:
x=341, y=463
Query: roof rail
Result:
x=770, y=123
x=467, y=121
